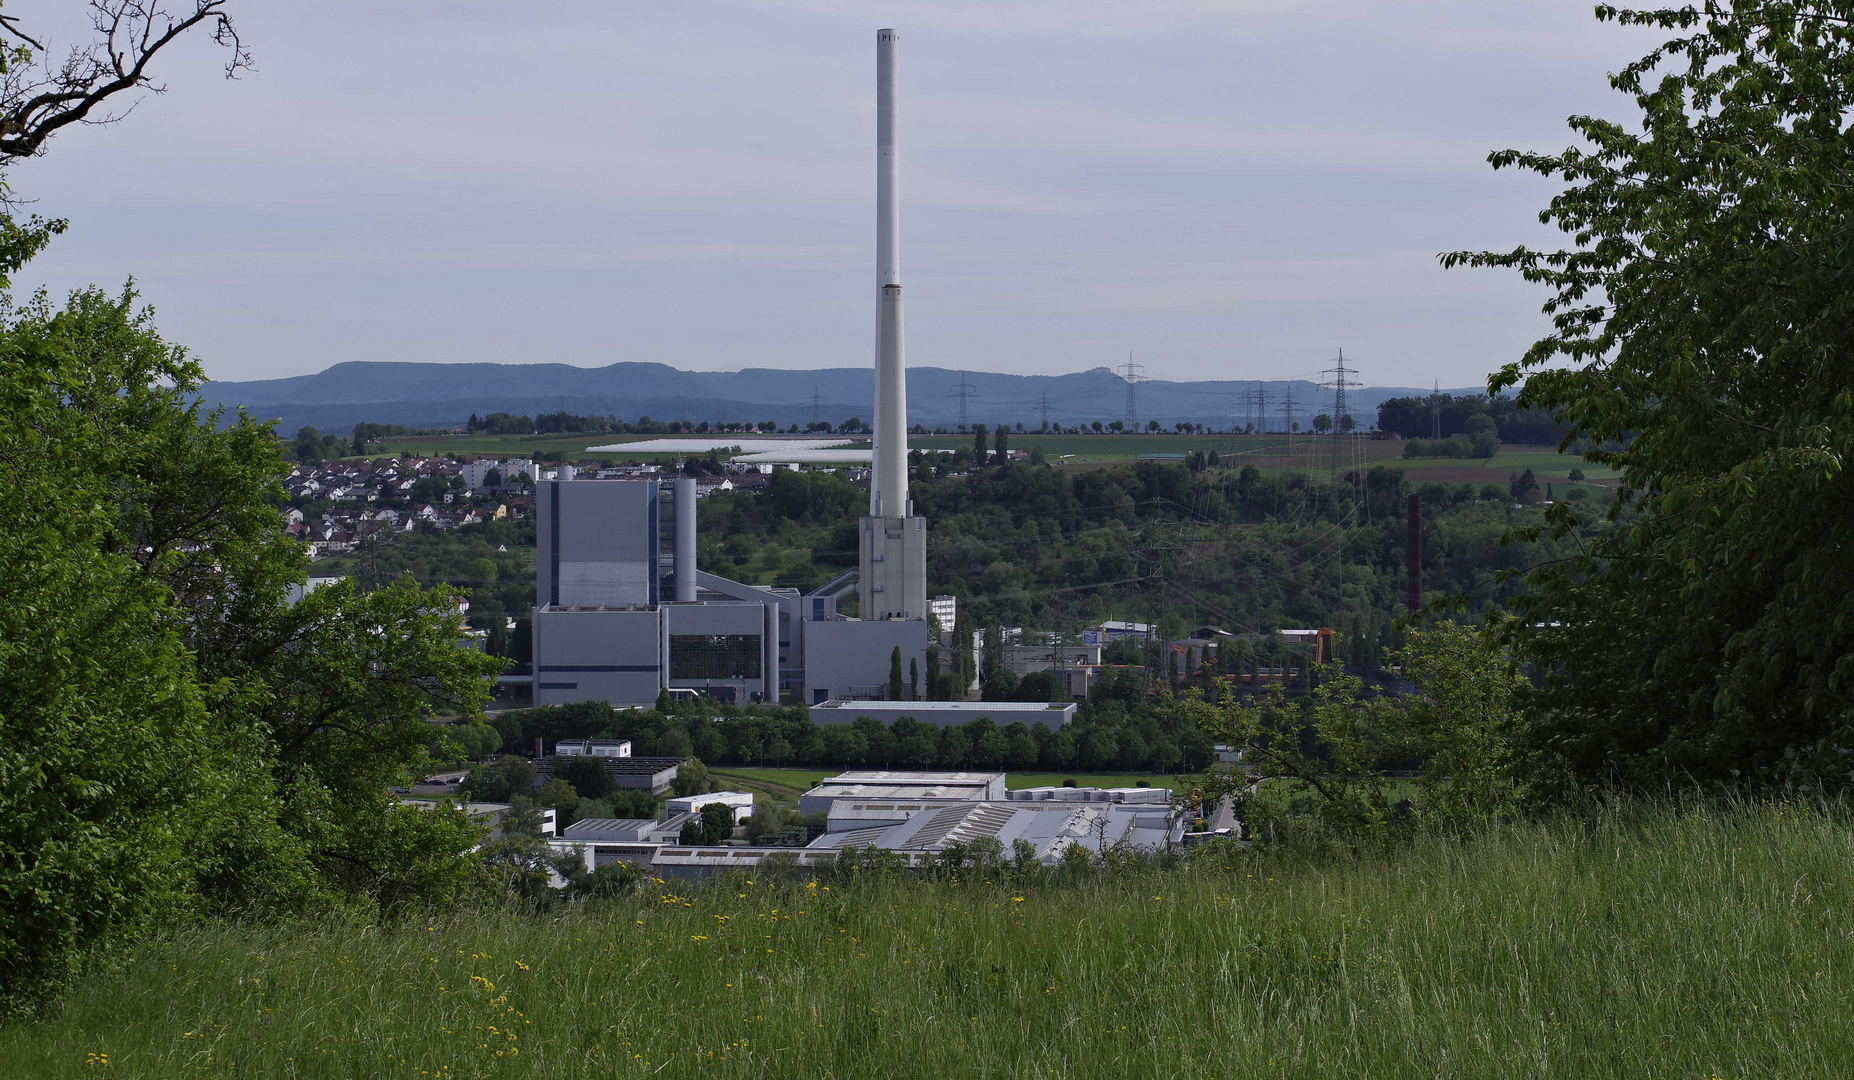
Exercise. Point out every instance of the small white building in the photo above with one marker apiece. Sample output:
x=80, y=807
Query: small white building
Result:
x=611, y=748
x=740, y=801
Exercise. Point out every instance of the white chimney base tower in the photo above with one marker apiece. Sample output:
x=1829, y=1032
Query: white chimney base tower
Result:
x=892, y=582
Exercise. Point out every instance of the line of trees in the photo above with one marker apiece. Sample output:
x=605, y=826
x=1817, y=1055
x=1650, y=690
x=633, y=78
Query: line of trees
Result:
x=1512, y=422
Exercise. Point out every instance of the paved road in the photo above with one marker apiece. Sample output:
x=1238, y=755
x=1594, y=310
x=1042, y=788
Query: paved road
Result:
x=1224, y=816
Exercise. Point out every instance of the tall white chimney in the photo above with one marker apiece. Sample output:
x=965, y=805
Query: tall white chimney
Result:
x=888, y=481
x=892, y=549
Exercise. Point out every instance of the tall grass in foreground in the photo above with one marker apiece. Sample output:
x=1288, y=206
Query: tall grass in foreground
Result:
x=1655, y=944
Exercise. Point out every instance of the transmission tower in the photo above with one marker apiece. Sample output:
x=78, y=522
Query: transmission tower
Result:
x=1042, y=405
x=1131, y=372
x=1342, y=412
x=1261, y=407
x=1288, y=408
x=817, y=405
x=964, y=393
x=1435, y=412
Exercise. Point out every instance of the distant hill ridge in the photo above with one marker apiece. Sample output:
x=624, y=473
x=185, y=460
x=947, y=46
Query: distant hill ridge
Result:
x=443, y=395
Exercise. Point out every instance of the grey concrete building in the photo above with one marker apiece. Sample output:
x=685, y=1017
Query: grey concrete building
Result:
x=1049, y=828
x=622, y=615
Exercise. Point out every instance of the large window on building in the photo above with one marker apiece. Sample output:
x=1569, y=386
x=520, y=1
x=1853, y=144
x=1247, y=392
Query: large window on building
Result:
x=714, y=656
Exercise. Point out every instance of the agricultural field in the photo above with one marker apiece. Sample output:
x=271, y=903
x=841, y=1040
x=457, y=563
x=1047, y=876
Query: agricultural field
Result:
x=1547, y=465
x=1707, y=942
x=1089, y=449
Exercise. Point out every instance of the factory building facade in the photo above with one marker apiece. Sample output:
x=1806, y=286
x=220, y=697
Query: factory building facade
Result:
x=623, y=614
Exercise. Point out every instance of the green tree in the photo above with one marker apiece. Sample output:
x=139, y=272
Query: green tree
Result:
x=560, y=795
x=1023, y=751
x=712, y=825
x=717, y=822
x=587, y=774
x=309, y=710
x=308, y=445
x=1704, y=318
x=992, y=748
x=895, y=685
x=979, y=448
x=768, y=820
x=501, y=780
x=691, y=779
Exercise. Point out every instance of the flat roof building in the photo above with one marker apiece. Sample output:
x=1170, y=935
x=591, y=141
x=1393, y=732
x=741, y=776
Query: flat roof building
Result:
x=1148, y=796
x=741, y=802
x=938, y=787
x=600, y=748
x=652, y=774
x=1049, y=828
x=945, y=713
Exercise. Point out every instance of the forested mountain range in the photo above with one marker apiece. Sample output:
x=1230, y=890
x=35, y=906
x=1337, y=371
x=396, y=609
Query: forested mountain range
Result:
x=444, y=395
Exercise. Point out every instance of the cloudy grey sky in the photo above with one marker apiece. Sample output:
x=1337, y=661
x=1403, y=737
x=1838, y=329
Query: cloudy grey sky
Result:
x=1225, y=188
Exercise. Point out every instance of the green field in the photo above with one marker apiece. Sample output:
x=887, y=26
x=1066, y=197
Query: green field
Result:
x=1090, y=449
x=1702, y=945
x=1546, y=463
x=793, y=780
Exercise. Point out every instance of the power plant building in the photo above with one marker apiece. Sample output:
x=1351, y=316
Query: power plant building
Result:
x=621, y=617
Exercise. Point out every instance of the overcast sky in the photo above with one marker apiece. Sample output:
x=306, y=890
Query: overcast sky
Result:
x=1224, y=188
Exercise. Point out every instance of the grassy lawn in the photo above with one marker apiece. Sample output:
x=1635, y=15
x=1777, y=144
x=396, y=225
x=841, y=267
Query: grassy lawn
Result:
x=798, y=780
x=1646, y=945
x=792, y=782
x=1549, y=466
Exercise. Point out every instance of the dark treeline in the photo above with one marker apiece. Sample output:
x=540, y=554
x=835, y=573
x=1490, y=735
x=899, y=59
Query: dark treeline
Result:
x=1121, y=728
x=1416, y=418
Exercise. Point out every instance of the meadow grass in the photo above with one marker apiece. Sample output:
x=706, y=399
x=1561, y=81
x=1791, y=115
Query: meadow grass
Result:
x=1691, y=944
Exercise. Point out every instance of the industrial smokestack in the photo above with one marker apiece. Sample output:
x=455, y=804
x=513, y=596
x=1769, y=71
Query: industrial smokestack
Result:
x=891, y=544
x=888, y=487
x=685, y=540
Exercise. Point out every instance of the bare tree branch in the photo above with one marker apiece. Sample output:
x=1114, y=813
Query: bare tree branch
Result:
x=9, y=24
x=38, y=98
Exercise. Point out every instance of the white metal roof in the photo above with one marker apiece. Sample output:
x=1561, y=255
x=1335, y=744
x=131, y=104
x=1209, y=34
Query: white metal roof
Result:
x=702, y=444
x=976, y=708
